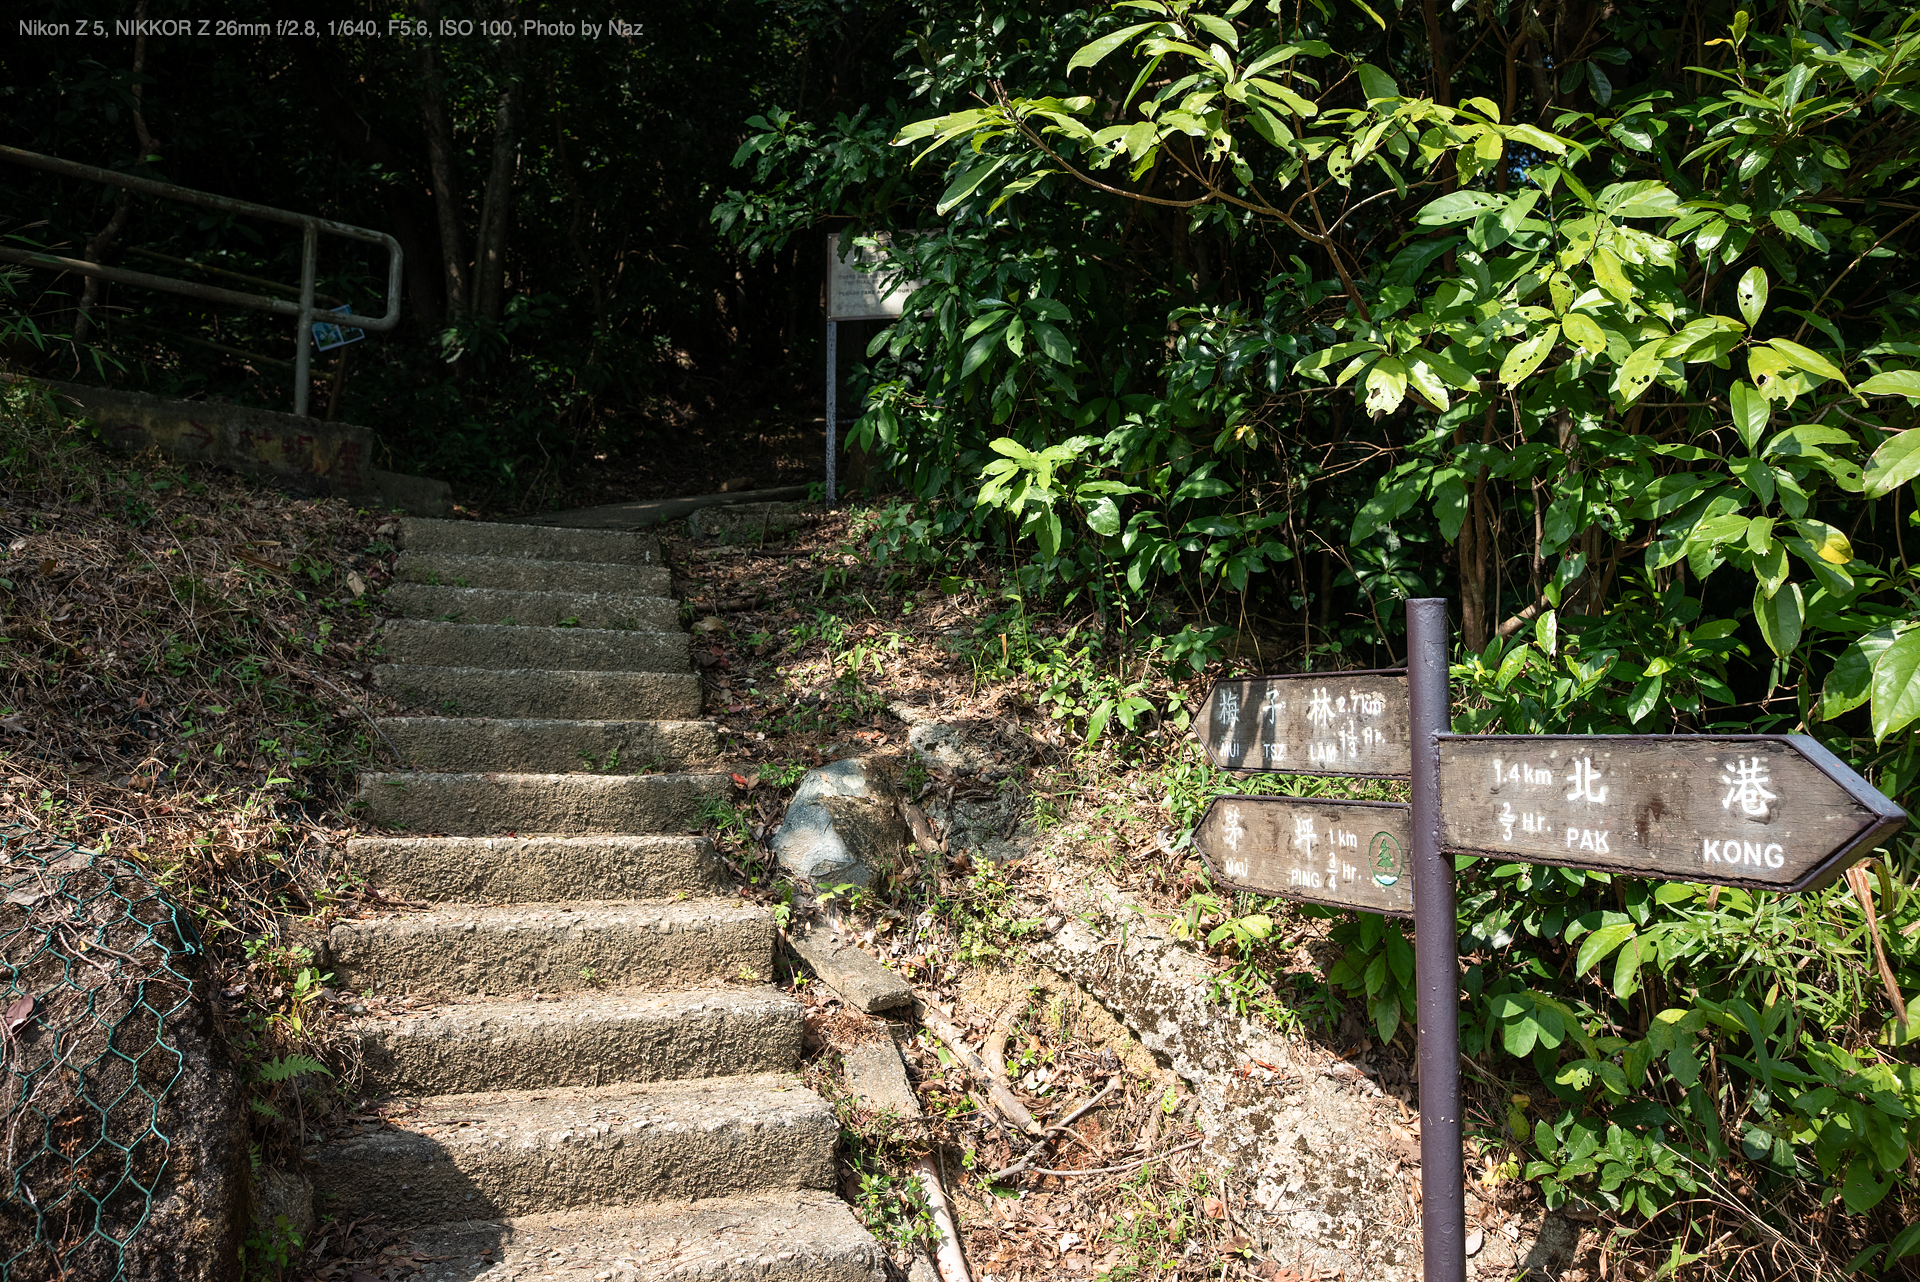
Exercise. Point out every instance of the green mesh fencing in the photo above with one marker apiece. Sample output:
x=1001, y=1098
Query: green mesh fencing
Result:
x=96, y=962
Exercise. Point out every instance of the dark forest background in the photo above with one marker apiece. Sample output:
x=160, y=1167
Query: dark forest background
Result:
x=573, y=321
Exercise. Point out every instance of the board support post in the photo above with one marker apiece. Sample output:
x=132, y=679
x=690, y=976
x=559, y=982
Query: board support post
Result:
x=833, y=404
x=1436, y=965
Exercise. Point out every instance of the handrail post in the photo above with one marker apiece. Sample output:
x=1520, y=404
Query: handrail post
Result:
x=303, y=333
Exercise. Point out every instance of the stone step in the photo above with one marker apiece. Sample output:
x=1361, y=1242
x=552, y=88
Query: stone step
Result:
x=551, y=747
x=486, y=645
x=507, y=1153
x=536, y=692
x=583, y=1039
x=461, y=950
x=536, y=869
x=802, y=1236
x=501, y=805
x=539, y=543
x=532, y=609
x=524, y=575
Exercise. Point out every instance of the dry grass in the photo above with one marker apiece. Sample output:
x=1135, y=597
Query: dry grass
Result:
x=184, y=680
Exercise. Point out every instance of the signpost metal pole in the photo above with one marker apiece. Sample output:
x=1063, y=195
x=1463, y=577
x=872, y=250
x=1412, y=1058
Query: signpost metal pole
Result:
x=833, y=401
x=1436, y=960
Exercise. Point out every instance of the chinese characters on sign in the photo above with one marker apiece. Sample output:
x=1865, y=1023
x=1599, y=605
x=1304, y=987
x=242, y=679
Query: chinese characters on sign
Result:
x=1351, y=854
x=1776, y=812
x=1321, y=723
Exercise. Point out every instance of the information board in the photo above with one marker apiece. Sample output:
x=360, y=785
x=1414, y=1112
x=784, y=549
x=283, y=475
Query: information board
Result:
x=857, y=292
x=1309, y=723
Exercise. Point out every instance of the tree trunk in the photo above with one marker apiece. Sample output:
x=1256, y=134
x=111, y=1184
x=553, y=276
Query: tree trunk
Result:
x=1476, y=556
x=122, y=209
x=446, y=195
x=496, y=209
x=1437, y=51
x=90, y=293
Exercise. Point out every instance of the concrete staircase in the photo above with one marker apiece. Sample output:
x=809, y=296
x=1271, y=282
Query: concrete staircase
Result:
x=586, y=1074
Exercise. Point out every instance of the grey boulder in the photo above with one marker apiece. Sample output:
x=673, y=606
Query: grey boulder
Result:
x=842, y=826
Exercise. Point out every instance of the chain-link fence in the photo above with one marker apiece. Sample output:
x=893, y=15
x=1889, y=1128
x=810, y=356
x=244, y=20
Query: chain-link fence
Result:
x=96, y=962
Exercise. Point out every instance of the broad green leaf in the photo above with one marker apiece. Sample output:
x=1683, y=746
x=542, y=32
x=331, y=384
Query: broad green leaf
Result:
x=1424, y=379
x=1770, y=372
x=1457, y=207
x=1090, y=54
x=1896, y=462
x=1828, y=543
x=1516, y=213
x=1683, y=1065
x=1219, y=28
x=1532, y=136
x=1386, y=385
x=977, y=355
x=1053, y=343
x=1770, y=568
x=1805, y=358
x=1893, y=382
x=1896, y=686
x=1804, y=440
x=1781, y=616
x=1626, y=970
x=966, y=182
x=1385, y=507
x=1645, y=696
x=1375, y=83
x=1645, y=199
x=1601, y=86
x=1103, y=517
x=1850, y=683
x=1526, y=357
x=1750, y=411
x=1609, y=275
x=1637, y=373
x=1585, y=331
x=1756, y=476
x=1752, y=294
x=1521, y=1035
x=1386, y=1019
x=1513, y=665
x=1595, y=947
x=1863, y=1189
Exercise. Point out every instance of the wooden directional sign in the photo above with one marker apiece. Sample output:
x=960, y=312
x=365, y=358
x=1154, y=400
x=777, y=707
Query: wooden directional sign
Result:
x=1310, y=723
x=1772, y=812
x=1347, y=854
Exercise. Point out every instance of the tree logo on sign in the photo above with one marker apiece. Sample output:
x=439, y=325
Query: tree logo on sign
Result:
x=1385, y=857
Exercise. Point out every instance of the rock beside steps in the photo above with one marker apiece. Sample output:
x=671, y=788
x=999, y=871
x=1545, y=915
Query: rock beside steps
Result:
x=575, y=1059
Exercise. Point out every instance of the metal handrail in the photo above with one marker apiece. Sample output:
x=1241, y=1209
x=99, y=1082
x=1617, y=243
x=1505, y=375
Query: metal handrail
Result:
x=310, y=229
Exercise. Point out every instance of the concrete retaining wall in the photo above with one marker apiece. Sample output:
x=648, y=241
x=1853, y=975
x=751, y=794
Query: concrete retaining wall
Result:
x=303, y=454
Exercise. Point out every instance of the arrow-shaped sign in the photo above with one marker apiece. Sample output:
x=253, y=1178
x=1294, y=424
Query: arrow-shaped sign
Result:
x=1309, y=723
x=1347, y=854
x=1771, y=812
